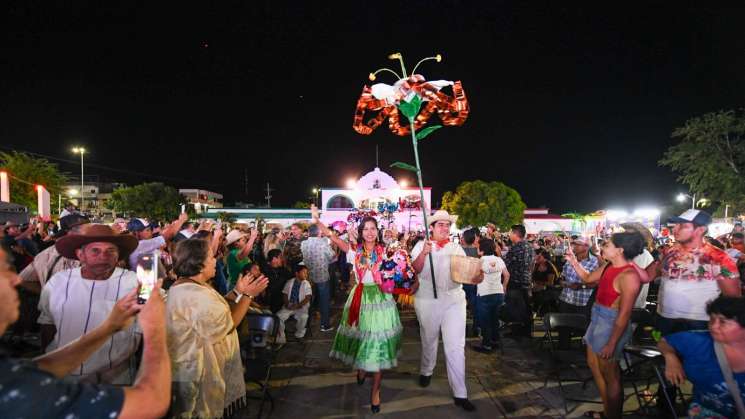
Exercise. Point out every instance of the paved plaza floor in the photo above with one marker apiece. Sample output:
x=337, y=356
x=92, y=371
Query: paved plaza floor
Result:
x=307, y=383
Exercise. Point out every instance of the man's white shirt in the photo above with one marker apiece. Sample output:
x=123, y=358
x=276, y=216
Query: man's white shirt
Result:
x=75, y=306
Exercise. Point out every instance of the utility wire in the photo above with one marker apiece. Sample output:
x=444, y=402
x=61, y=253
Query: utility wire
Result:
x=102, y=167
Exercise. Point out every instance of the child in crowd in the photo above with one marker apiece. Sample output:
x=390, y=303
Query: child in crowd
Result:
x=297, y=295
x=490, y=294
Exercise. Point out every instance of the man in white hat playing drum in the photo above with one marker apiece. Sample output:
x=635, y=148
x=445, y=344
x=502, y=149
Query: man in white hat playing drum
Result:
x=446, y=313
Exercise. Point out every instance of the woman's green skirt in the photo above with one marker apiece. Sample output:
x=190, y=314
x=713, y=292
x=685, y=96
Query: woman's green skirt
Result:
x=374, y=343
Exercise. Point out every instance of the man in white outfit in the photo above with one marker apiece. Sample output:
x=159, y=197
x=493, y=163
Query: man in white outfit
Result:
x=446, y=313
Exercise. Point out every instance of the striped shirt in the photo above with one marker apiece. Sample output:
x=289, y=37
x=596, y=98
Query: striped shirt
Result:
x=75, y=306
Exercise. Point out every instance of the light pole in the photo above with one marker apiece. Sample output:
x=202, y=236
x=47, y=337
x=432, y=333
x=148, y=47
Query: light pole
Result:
x=81, y=151
x=316, y=191
x=682, y=197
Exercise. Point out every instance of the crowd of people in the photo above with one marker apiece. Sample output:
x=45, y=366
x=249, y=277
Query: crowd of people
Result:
x=106, y=353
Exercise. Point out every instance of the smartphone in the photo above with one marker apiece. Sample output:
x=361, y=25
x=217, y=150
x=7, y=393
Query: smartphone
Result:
x=147, y=274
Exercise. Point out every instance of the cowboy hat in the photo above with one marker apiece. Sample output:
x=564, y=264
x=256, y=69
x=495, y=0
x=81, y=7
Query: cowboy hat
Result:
x=442, y=215
x=234, y=236
x=91, y=233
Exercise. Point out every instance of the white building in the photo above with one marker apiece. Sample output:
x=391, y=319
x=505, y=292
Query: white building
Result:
x=370, y=192
x=537, y=220
x=202, y=200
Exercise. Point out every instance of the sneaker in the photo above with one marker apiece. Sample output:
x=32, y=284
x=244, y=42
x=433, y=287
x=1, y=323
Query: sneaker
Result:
x=424, y=380
x=326, y=328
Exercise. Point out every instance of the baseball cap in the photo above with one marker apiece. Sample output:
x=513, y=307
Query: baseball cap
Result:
x=299, y=267
x=138, y=224
x=697, y=217
x=581, y=240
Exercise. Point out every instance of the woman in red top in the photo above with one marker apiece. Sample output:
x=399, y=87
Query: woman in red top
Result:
x=618, y=282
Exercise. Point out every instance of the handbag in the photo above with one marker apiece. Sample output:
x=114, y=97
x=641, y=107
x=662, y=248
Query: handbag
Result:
x=734, y=390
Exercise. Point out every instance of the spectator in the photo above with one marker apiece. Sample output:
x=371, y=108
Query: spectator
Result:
x=35, y=388
x=297, y=294
x=278, y=275
x=317, y=255
x=239, y=245
x=693, y=273
x=575, y=294
x=544, y=277
x=470, y=246
x=490, y=294
x=202, y=340
x=77, y=300
x=519, y=261
x=49, y=261
x=143, y=231
x=292, y=252
x=618, y=282
x=703, y=353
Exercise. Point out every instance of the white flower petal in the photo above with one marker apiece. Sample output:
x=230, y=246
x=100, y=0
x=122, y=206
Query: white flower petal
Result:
x=383, y=91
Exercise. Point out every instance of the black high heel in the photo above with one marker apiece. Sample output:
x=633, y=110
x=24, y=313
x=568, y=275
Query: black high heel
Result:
x=361, y=381
x=375, y=408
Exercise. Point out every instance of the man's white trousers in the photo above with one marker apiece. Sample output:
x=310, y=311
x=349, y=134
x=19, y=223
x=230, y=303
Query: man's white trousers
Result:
x=446, y=314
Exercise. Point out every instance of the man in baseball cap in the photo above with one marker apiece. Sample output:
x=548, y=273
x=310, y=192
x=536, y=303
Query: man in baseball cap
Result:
x=143, y=230
x=693, y=216
x=693, y=273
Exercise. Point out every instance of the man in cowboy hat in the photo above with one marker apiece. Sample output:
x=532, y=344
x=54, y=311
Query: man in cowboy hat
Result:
x=37, y=388
x=447, y=313
x=48, y=262
x=77, y=300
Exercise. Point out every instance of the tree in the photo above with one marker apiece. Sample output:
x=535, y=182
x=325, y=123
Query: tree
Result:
x=155, y=201
x=25, y=172
x=226, y=217
x=710, y=156
x=301, y=204
x=478, y=202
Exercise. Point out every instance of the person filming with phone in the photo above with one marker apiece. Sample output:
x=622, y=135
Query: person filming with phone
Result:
x=76, y=301
x=36, y=388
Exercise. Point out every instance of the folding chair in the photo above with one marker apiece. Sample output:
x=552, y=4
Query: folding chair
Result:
x=567, y=359
x=653, y=357
x=258, y=355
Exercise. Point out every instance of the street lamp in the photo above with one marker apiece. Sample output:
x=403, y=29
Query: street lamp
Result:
x=682, y=197
x=81, y=151
x=316, y=191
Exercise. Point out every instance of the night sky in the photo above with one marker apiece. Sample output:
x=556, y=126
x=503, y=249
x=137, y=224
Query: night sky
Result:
x=570, y=105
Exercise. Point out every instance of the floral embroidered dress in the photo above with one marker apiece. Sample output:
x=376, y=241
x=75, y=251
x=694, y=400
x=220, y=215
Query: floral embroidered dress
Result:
x=205, y=356
x=369, y=335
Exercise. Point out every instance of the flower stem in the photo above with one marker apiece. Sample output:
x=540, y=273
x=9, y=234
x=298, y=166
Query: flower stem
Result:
x=415, y=143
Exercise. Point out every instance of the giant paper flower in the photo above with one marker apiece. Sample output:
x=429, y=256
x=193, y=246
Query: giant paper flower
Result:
x=384, y=98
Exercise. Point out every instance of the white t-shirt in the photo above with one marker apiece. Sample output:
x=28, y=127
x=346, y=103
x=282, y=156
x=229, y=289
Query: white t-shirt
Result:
x=75, y=306
x=643, y=260
x=492, y=266
x=145, y=246
x=368, y=279
x=441, y=262
x=305, y=290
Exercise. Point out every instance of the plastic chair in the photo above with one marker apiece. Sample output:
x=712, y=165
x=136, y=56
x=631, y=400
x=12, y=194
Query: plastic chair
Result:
x=258, y=355
x=567, y=359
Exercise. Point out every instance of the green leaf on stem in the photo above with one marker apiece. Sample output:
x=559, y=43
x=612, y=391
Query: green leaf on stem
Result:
x=410, y=109
x=426, y=131
x=404, y=166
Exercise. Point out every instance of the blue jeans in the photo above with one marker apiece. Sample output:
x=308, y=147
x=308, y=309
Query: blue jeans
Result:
x=324, y=301
x=487, y=316
x=472, y=302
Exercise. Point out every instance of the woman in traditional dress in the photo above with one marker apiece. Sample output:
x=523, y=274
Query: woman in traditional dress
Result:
x=369, y=335
x=202, y=340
